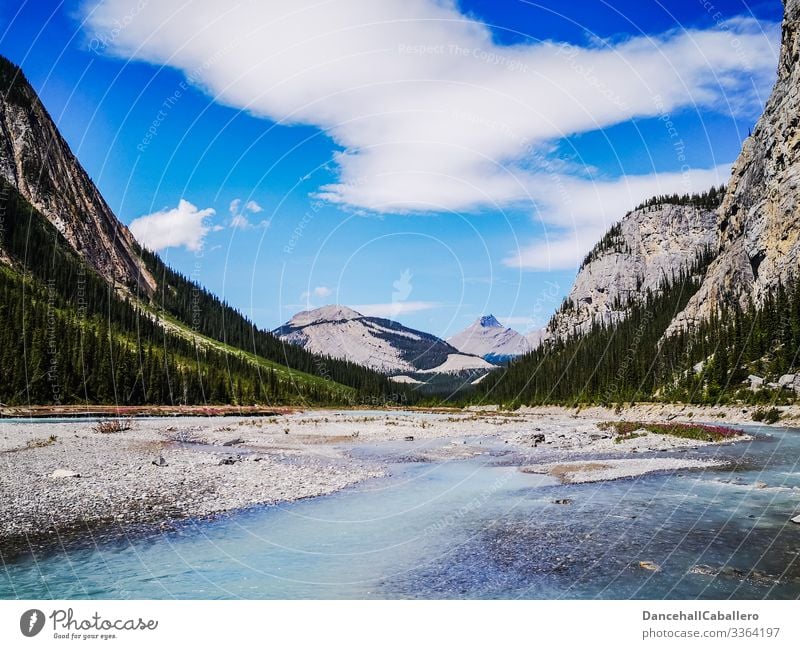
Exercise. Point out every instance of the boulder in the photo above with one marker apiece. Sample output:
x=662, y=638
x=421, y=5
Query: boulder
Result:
x=787, y=381
x=64, y=473
x=756, y=382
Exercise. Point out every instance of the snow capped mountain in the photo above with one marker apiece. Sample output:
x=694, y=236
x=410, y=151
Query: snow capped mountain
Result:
x=489, y=339
x=380, y=344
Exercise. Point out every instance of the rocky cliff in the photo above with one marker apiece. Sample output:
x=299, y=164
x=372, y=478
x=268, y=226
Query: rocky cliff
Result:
x=647, y=247
x=758, y=222
x=36, y=159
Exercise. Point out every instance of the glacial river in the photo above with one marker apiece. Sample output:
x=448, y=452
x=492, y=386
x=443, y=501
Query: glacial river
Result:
x=469, y=529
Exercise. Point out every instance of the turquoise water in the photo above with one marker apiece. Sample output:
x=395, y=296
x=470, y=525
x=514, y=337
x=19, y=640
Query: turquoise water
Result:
x=469, y=529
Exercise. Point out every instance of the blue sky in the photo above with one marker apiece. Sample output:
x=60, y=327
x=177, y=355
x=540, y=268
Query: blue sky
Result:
x=422, y=160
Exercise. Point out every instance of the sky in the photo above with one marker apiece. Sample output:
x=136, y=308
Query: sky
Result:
x=423, y=160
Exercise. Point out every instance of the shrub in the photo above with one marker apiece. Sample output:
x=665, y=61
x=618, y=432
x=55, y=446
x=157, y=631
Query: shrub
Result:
x=108, y=426
x=767, y=416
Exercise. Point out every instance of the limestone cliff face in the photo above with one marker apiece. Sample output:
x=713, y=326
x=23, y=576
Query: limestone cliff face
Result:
x=759, y=220
x=36, y=160
x=650, y=245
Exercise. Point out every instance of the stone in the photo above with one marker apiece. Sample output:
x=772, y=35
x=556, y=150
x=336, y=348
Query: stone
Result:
x=38, y=162
x=759, y=220
x=756, y=382
x=233, y=442
x=796, y=519
x=647, y=245
x=787, y=381
x=160, y=461
x=649, y=565
x=410, y=438
x=64, y=473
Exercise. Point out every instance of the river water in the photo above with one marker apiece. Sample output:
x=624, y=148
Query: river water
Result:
x=469, y=529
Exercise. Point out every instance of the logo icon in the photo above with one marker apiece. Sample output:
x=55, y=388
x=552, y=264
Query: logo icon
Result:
x=31, y=622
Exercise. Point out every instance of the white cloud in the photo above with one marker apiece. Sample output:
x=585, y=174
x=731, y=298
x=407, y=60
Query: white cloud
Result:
x=393, y=309
x=183, y=226
x=590, y=208
x=239, y=220
x=318, y=291
x=428, y=112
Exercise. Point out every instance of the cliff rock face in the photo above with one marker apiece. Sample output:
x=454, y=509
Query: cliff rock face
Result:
x=759, y=220
x=649, y=246
x=36, y=160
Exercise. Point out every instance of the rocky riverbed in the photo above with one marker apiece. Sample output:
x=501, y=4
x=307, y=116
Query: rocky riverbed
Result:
x=71, y=477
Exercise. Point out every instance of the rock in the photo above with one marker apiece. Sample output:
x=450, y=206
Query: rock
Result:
x=787, y=381
x=796, y=519
x=160, y=461
x=230, y=460
x=756, y=382
x=761, y=485
x=233, y=442
x=37, y=161
x=647, y=245
x=64, y=473
x=410, y=438
x=649, y=565
x=562, y=501
x=759, y=219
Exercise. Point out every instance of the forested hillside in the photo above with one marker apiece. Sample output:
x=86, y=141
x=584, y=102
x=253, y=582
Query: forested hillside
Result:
x=67, y=337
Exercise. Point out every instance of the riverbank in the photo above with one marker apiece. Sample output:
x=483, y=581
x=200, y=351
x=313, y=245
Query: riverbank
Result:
x=69, y=478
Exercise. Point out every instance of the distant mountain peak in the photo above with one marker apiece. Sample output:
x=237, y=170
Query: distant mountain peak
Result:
x=381, y=344
x=489, y=339
x=327, y=313
x=488, y=321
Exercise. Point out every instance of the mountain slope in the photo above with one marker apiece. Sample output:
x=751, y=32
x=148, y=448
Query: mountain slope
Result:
x=487, y=338
x=759, y=220
x=383, y=345
x=647, y=248
x=36, y=160
x=59, y=236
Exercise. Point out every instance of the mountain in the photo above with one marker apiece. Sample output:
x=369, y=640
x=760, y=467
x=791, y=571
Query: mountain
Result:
x=377, y=343
x=39, y=164
x=758, y=224
x=88, y=316
x=718, y=323
x=487, y=338
x=648, y=247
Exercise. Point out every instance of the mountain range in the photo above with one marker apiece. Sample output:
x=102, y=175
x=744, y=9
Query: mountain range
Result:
x=89, y=316
x=685, y=298
x=381, y=344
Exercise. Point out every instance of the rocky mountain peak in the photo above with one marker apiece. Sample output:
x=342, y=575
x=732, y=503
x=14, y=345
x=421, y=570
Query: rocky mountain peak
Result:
x=488, y=321
x=651, y=245
x=759, y=219
x=38, y=162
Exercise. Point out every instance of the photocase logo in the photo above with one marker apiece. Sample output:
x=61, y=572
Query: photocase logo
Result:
x=31, y=622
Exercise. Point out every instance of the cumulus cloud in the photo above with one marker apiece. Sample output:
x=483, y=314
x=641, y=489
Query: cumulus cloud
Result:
x=183, y=226
x=239, y=219
x=317, y=291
